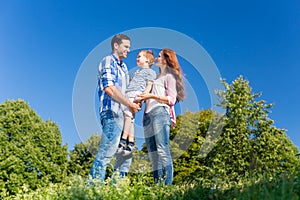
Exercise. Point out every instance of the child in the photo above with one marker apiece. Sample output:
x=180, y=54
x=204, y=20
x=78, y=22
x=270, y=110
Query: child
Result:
x=141, y=82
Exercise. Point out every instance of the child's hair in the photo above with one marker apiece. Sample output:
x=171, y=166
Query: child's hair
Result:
x=149, y=55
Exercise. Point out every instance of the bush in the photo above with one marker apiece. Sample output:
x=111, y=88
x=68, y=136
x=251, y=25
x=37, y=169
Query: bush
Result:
x=31, y=152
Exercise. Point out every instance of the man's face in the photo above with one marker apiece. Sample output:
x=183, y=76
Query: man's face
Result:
x=122, y=49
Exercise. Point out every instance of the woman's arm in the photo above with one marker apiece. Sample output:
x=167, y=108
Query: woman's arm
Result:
x=160, y=99
x=171, y=92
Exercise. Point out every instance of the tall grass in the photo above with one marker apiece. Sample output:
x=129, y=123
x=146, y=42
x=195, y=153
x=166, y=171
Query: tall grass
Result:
x=138, y=189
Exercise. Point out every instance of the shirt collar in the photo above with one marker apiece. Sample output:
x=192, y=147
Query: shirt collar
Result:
x=119, y=62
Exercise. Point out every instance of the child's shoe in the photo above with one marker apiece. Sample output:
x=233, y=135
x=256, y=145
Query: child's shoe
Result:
x=129, y=150
x=121, y=148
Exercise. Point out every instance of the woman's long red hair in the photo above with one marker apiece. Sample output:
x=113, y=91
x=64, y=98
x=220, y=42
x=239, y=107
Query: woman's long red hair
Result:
x=174, y=69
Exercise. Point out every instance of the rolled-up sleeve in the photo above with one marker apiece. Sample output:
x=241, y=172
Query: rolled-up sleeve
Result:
x=106, y=72
x=171, y=90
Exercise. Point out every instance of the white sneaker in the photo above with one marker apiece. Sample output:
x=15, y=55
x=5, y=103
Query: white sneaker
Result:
x=121, y=148
x=128, y=151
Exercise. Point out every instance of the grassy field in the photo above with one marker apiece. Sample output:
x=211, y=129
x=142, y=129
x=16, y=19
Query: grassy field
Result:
x=118, y=189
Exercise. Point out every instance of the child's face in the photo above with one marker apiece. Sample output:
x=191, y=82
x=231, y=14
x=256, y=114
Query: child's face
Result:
x=141, y=60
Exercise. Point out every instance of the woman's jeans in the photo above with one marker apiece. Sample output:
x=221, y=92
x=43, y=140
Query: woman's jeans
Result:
x=157, y=132
x=112, y=125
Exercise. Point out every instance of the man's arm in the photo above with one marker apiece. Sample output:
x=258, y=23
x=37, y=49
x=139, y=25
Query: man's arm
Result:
x=116, y=95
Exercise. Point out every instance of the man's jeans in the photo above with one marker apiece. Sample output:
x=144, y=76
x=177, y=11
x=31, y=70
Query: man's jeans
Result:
x=157, y=135
x=112, y=125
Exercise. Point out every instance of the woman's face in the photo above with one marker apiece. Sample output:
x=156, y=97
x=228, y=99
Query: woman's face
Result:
x=160, y=60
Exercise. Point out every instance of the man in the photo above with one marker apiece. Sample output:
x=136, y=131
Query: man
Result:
x=112, y=79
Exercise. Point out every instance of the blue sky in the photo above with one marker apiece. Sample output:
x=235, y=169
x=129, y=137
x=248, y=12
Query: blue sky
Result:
x=44, y=43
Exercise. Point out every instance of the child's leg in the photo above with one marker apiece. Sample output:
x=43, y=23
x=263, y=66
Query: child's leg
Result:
x=128, y=128
x=131, y=146
x=131, y=135
x=124, y=136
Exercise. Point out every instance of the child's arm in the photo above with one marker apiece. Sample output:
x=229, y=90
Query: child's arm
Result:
x=148, y=87
x=146, y=91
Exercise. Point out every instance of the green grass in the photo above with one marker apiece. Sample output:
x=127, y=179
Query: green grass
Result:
x=139, y=189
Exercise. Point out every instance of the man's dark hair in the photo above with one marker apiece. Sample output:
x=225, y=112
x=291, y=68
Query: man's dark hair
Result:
x=118, y=39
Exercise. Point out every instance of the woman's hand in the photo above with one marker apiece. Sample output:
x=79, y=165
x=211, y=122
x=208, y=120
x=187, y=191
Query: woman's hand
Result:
x=142, y=97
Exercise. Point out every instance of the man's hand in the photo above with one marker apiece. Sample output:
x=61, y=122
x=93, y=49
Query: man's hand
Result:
x=114, y=93
x=133, y=107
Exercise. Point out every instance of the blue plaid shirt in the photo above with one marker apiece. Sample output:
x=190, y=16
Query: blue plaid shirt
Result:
x=111, y=72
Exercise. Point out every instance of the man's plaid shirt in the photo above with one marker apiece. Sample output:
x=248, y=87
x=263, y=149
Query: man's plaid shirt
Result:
x=111, y=72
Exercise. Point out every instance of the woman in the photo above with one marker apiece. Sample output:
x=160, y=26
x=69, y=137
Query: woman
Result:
x=167, y=89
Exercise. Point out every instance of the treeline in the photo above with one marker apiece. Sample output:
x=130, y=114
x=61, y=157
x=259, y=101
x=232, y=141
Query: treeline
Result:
x=214, y=149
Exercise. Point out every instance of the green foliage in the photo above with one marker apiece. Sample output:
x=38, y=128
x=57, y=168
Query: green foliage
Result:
x=31, y=152
x=238, y=155
x=230, y=149
x=249, y=146
x=83, y=155
x=187, y=139
x=283, y=188
x=141, y=167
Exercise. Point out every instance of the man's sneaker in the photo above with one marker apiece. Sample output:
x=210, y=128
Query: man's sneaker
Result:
x=129, y=150
x=121, y=148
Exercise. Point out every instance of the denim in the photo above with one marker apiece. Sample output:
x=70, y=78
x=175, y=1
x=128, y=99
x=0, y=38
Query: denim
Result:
x=112, y=125
x=156, y=125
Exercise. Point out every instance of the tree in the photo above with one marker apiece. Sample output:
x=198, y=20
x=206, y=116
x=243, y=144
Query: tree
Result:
x=240, y=145
x=250, y=145
x=190, y=142
x=83, y=155
x=32, y=154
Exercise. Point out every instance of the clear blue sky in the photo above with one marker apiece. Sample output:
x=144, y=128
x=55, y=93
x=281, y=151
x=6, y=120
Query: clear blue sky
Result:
x=44, y=43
